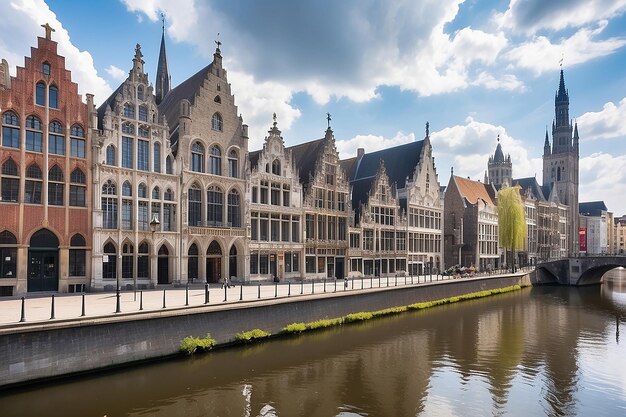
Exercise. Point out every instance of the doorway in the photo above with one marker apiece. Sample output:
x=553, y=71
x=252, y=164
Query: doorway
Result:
x=163, y=265
x=214, y=262
x=43, y=262
x=232, y=262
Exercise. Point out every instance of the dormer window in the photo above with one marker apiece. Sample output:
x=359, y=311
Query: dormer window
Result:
x=216, y=122
x=45, y=68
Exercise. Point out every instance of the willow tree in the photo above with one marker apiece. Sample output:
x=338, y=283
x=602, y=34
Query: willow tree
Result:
x=511, y=220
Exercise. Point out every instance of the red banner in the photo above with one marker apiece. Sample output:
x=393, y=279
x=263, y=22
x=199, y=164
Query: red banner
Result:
x=582, y=239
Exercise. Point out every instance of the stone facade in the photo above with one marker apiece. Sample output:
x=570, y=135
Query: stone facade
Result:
x=45, y=176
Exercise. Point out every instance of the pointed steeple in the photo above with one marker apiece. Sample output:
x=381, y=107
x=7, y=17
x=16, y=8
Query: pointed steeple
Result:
x=562, y=95
x=576, y=131
x=163, y=80
x=546, y=144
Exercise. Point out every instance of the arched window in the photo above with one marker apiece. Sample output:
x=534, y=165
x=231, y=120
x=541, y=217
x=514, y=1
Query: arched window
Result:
x=168, y=165
x=156, y=193
x=197, y=157
x=194, y=215
x=215, y=206
x=140, y=92
x=234, y=211
x=34, y=134
x=127, y=189
x=129, y=110
x=77, y=142
x=142, y=191
x=40, y=94
x=128, y=151
x=109, y=262
x=143, y=153
x=276, y=167
x=53, y=97
x=168, y=195
x=45, y=68
x=192, y=263
x=127, y=206
x=142, y=207
x=10, y=130
x=216, y=122
x=128, y=128
x=143, y=131
x=77, y=256
x=55, y=186
x=143, y=113
x=215, y=160
x=110, y=155
x=232, y=261
x=8, y=254
x=143, y=270
x=56, y=140
x=33, y=184
x=156, y=158
x=127, y=260
x=78, y=188
x=217, y=99
x=10, y=181
x=558, y=173
x=109, y=205
x=232, y=163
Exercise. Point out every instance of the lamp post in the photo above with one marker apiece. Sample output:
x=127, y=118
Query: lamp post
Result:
x=154, y=225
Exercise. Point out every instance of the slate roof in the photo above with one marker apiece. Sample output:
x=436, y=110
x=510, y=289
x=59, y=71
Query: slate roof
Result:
x=108, y=102
x=349, y=166
x=592, y=208
x=305, y=156
x=531, y=182
x=472, y=191
x=253, y=157
x=400, y=162
x=170, y=106
x=498, y=156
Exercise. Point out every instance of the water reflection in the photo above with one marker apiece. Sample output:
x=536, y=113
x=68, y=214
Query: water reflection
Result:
x=541, y=351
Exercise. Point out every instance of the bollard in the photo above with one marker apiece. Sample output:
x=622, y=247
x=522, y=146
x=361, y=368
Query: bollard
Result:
x=240, y=292
x=140, y=300
x=411, y=279
x=371, y=282
x=302, y=286
x=324, y=284
x=352, y=282
x=82, y=313
x=52, y=308
x=163, y=298
x=23, y=317
x=275, y=289
x=118, y=308
x=335, y=290
x=225, y=295
x=387, y=280
x=259, y=296
x=289, y=289
x=186, y=294
x=206, y=293
x=396, y=280
x=361, y=282
x=379, y=282
x=313, y=286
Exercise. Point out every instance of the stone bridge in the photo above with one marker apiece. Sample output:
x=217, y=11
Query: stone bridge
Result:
x=586, y=270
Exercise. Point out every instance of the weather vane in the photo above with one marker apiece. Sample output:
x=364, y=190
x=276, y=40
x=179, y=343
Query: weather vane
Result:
x=274, y=117
x=217, y=42
x=328, y=119
x=163, y=21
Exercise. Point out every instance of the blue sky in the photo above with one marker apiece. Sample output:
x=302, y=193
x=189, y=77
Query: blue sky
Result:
x=473, y=69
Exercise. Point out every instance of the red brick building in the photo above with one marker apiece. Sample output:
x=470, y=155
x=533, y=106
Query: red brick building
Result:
x=45, y=176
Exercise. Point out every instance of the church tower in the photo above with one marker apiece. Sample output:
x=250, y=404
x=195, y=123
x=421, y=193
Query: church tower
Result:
x=500, y=168
x=560, y=164
x=163, y=80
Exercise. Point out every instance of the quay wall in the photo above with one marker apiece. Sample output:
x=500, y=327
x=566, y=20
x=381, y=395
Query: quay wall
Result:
x=39, y=351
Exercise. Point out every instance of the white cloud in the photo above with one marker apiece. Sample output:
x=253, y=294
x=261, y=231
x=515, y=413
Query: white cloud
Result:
x=22, y=19
x=529, y=16
x=603, y=177
x=605, y=124
x=371, y=143
x=540, y=54
x=506, y=82
x=116, y=73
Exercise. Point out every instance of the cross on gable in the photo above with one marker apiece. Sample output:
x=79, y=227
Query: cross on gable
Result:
x=48, y=30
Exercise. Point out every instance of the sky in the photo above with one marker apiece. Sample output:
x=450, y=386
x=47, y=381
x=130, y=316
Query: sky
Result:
x=473, y=69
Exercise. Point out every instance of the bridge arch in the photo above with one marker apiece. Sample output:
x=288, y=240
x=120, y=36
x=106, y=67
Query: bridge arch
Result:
x=594, y=274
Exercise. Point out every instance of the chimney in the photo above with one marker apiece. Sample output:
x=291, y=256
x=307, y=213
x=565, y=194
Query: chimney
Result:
x=360, y=152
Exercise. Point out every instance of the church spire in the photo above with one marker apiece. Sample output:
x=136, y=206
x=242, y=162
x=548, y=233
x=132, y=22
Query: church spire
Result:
x=546, y=144
x=562, y=95
x=163, y=81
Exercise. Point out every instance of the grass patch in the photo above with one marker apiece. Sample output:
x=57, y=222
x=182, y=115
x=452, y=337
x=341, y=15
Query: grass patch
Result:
x=321, y=324
x=357, y=317
x=255, y=334
x=293, y=328
x=191, y=345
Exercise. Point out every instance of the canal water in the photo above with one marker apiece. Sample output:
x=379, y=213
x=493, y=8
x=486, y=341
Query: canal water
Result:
x=541, y=351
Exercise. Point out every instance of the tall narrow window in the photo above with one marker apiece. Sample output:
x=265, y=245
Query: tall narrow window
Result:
x=127, y=260
x=195, y=205
x=143, y=147
x=192, y=263
x=197, y=157
x=234, y=211
x=55, y=186
x=10, y=181
x=128, y=128
x=168, y=222
x=40, y=94
x=215, y=204
x=216, y=122
x=110, y=155
x=53, y=97
x=156, y=158
x=77, y=142
x=109, y=205
x=232, y=164
x=168, y=165
x=78, y=188
x=215, y=160
x=127, y=206
x=143, y=269
x=143, y=113
x=77, y=256
x=276, y=167
x=109, y=262
x=143, y=131
x=127, y=152
x=10, y=130
x=45, y=68
x=33, y=184
x=56, y=140
x=8, y=254
x=140, y=92
x=34, y=134
x=129, y=111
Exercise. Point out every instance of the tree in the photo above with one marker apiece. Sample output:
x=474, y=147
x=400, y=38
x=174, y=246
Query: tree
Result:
x=511, y=220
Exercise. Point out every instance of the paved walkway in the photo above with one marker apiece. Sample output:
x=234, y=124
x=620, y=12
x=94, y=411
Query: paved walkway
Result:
x=38, y=307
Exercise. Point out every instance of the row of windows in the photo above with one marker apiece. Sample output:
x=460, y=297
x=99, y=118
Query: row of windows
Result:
x=110, y=188
x=34, y=135
x=324, y=227
x=10, y=185
x=143, y=156
x=330, y=199
x=271, y=195
x=40, y=95
x=214, y=214
x=109, y=261
x=275, y=227
x=263, y=263
x=215, y=160
x=424, y=218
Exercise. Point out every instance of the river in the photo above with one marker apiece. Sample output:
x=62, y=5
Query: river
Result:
x=541, y=351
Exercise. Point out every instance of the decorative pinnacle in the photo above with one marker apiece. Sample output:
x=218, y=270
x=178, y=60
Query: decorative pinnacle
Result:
x=328, y=119
x=274, y=117
x=217, y=41
x=427, y=129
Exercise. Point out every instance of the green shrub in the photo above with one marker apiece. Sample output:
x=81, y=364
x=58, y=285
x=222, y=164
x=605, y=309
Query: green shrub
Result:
x=294, y=328
x=321, y=324
x=191, y=345
x=357, y=317
x=245, y=337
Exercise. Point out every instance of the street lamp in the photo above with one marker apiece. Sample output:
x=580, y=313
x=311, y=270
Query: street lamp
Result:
x=154, y=225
